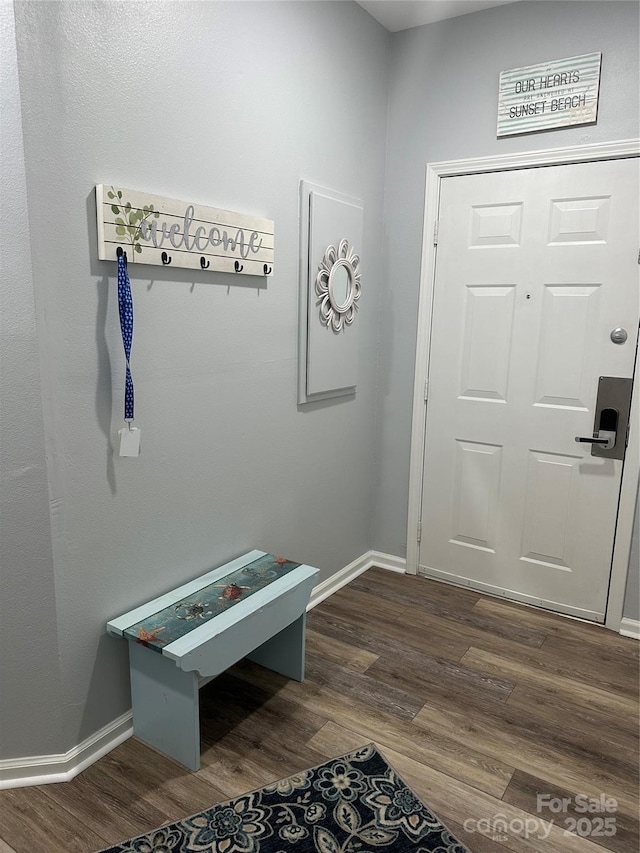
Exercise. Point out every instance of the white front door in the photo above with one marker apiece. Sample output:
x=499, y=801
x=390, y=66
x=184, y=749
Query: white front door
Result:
x=534, y=269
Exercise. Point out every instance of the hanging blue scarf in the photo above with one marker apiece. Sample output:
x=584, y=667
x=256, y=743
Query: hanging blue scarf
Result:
x=125, y=306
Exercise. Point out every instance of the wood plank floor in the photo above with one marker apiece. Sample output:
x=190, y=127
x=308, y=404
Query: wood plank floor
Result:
x=482, y=706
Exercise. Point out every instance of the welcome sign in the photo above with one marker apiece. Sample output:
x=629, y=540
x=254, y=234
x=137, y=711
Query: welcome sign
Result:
x=552, y=94
x=155, y=230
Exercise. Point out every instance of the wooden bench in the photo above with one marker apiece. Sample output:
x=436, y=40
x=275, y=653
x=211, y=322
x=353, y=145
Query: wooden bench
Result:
x=254, y=606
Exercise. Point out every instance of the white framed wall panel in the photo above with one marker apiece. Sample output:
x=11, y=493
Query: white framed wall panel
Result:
x=328, y=360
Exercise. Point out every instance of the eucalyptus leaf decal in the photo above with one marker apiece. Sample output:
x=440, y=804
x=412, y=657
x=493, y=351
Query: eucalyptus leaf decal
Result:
x=129, y=219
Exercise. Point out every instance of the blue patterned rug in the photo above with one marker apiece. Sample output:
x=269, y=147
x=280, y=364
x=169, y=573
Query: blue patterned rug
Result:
x=353, y=804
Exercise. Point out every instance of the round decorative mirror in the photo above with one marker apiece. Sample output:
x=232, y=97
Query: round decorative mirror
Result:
x=338, y=286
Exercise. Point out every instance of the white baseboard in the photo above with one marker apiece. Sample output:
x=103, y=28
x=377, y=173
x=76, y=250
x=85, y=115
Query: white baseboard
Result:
x=387, y=561
x=45, y=769
x=357, y=567
x=630, y=628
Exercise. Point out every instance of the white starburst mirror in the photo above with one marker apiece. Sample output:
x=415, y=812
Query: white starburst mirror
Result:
x=338, y=286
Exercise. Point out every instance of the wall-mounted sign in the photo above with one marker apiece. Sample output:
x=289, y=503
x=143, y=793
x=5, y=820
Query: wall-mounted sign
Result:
x=161, y=231
x=552, y=94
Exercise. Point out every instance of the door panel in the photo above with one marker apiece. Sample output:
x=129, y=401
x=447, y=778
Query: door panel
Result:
x=477, y=494
x=534, y=268
x=487, y=342
x=567, y=327
x=550, y=484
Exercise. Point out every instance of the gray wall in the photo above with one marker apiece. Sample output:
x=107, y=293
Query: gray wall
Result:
x=29, y=668
x=442, y=106
x=227, y=104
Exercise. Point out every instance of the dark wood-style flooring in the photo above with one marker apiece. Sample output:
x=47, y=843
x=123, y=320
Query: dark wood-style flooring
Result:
x=480, y=704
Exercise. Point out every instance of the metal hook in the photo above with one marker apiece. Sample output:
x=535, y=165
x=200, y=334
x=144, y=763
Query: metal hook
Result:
x=204, y=263
x=166, y=260
x=120, y=252
x=238, y=267
x=267, y=269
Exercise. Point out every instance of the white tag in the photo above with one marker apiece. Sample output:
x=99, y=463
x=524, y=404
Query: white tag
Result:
x=129, y=441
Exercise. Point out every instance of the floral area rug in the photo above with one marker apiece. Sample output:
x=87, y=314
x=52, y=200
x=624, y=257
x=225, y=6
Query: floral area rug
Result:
x=353, y=804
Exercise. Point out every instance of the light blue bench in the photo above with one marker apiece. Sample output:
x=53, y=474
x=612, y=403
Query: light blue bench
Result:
x=252, y=607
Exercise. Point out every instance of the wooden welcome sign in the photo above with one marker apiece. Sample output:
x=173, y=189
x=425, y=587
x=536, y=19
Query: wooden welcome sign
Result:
x=164, y=232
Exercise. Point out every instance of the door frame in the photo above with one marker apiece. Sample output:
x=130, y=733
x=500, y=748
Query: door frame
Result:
x=631, y=472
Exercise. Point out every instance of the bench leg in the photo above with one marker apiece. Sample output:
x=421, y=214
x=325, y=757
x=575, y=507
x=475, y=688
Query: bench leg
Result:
x=166, y=713
x=284, y=652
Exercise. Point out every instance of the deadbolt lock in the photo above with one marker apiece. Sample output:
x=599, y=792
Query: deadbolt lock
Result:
x=618, y=335
x=611, y=421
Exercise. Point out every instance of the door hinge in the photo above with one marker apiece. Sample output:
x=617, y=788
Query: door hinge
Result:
x=436, y=229
x=419, y=531
x=426, y=390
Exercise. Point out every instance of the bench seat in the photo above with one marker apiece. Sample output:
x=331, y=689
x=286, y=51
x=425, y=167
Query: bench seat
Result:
x=252, y=607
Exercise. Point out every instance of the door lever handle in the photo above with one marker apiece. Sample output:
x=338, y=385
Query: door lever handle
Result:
x=606, y=438
x=610, y=419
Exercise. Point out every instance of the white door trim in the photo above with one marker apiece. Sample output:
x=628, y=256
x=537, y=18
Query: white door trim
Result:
x=631, y=472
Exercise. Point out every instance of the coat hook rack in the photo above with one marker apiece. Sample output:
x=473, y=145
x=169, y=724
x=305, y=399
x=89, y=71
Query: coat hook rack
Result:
x=267, y=269
x=159, y=238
